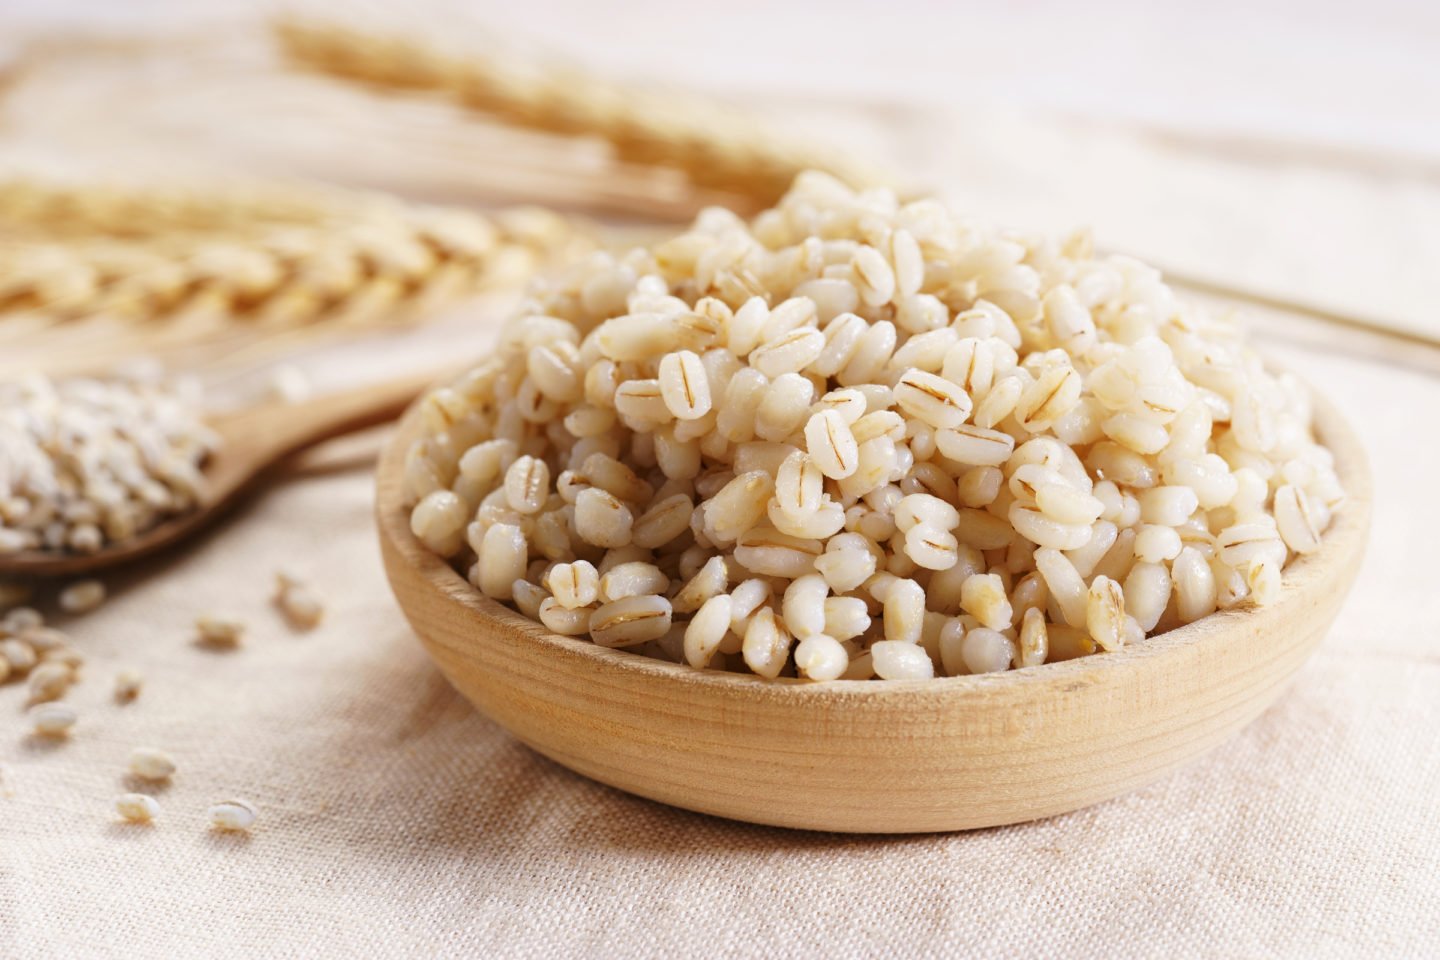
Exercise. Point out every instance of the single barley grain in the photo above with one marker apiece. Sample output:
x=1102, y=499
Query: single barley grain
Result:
x=709, y=581
x=217, y=631
x=932, y=399
x=630, y=621
x=831, y=444
x=1105, y=613
x=301, y=606
x=18, y=654
x=148, y=763
x=53, y=719
x=567, y=621
x=819, y=657
x=987, y=651
x=137, y=807
x=803, y=607
x=901, y=660
x=706, y=629
x=846, y=617
x=984, y=597
x=232, y=815
x=1034, y=638
x=632, y=579
x=128, y=683
x=766, y=644
x=848, y=561
x=49, y=681
x=83, y=596
x=904, y=610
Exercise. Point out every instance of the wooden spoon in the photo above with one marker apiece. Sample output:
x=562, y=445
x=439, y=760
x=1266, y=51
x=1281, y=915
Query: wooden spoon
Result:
x=877, y=756
x=253, y=441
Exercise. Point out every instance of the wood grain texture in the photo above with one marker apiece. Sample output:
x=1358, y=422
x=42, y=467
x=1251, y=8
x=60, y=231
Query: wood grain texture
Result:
x=877, y=756
x=253, y=441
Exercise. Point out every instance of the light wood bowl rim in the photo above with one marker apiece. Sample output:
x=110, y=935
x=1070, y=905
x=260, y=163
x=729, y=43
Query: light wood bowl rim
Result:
x=1343, y=542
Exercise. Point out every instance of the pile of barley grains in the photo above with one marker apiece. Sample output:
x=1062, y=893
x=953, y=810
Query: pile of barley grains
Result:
x=87, y=462
x=856, y=438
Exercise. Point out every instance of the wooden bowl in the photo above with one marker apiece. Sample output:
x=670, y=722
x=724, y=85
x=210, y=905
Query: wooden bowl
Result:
x=876, y=756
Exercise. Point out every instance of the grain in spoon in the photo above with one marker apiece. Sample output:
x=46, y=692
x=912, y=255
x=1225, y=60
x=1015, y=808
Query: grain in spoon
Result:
x=253, y=441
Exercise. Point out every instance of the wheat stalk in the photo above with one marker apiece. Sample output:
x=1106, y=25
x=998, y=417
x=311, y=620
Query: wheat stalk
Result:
x=714, y=147
x=73, y=252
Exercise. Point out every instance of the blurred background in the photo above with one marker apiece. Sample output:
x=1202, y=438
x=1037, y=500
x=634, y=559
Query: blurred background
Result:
x=1285, y=150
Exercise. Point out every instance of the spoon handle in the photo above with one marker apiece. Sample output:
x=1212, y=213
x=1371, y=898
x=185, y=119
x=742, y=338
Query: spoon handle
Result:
x=273, y=431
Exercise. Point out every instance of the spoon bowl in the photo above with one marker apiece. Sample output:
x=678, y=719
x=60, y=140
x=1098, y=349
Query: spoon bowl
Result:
x=252, y=441
x=877, y=756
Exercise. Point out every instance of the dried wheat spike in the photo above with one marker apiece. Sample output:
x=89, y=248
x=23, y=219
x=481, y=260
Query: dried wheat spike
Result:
x=715, y=147
x=69, y=252
x=54, y=208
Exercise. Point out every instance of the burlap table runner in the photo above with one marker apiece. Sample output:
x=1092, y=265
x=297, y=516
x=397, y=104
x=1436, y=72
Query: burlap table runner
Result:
x=396, y=821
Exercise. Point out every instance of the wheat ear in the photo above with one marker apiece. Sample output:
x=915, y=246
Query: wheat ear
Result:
x=715, y=147
x=68, y=253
